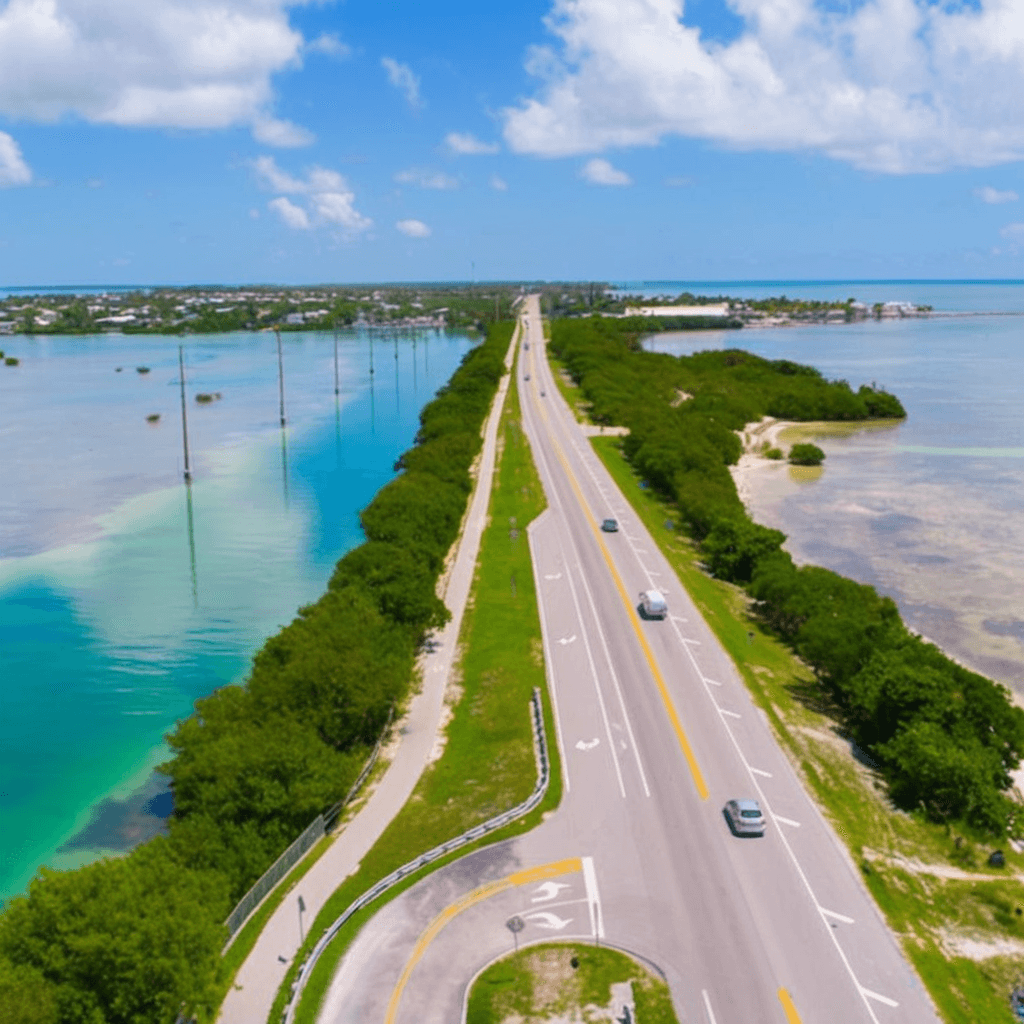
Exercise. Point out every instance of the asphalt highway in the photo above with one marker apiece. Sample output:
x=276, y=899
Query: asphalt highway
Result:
x=657, y=732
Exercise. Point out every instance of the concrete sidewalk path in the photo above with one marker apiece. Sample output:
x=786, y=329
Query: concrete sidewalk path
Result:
x=259, y=978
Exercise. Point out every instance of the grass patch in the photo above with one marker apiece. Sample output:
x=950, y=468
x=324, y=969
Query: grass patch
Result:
x=567, y=980
x=906, y=860
x=488, y=763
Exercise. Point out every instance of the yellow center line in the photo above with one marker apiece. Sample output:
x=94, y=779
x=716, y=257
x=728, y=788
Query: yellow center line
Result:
x=787, y=1005
x=659, y=679
x=483, y=892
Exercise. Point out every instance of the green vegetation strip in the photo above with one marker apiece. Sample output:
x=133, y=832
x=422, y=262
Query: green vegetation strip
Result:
x=487, y=764
x=566, y=982
x=906, y=859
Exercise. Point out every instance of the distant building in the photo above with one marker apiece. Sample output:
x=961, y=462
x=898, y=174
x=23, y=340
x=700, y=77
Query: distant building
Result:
x=720, y=309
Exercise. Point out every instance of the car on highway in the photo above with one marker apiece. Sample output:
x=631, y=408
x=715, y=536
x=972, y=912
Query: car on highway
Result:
x=542, y=392
x=745, y=817
x=653, y=604
x=526, y=376
x=610, y=526
x=526, y=346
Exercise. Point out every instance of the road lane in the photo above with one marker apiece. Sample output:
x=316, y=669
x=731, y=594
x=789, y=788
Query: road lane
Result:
x=744, y=929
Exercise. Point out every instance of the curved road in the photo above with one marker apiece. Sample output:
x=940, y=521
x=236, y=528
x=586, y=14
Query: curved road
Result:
x=656, y=731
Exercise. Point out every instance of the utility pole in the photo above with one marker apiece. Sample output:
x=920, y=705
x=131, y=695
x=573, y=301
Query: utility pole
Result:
x=336, y=389
x=184, y=414
x=280, y=373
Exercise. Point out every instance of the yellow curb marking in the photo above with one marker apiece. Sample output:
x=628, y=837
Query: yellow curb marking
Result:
x=787, y=1005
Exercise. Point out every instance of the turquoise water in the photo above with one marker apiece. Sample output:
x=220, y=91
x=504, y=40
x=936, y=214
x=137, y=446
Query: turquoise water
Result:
x=123, y=596
x=931, y=510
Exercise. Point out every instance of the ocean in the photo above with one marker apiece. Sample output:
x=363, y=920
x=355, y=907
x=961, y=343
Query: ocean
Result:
x=929, y=510
x=124, y=595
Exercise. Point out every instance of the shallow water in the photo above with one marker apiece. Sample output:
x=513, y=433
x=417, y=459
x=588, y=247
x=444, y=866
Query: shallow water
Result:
x=125, y=596
x=928, y=510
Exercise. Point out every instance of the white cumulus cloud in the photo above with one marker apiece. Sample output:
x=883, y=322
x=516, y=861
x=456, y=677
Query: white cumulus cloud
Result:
x=890, y=85
x=469, y=145
x=158, y=63
x=329, y=44
x=424, y=177
x=329, y=200
x=413, y=228
x=13, y=169
x=1015, y=232
x=294, y=216
x=994, y=197
x=600, y=172
x=498, y=184
x=282, y=134
x=402, y=78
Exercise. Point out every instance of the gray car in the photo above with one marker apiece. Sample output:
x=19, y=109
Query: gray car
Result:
x=745, y=817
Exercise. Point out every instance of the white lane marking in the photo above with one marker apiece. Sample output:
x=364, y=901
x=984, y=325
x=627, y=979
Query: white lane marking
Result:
x=838, y=917
x=786, y=821
x=585, y=745
x=549, y=671
x=650, y=572
x=553, y=576
x=707, y=1006
x=642, y=551
x=760, y=771
x=678, y=618
x=593, y=897
x=567, y=640
x=731, y=714
x=597, y=683
x=882, y=999
x=714, y=682
x=545, y=919
x=687, y=640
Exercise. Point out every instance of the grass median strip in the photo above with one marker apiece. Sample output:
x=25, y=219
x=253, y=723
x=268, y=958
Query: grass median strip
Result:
x=960, y=922
x=487, y=762
x=571, y=982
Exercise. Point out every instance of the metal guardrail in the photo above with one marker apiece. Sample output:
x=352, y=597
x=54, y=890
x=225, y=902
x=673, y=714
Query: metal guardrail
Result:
x=478, y=831
x=312, y=834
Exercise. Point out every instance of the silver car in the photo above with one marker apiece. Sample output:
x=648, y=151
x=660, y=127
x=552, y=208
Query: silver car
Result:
x=745, y=817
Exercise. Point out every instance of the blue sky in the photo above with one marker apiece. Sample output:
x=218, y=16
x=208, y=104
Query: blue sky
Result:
x=181, y=141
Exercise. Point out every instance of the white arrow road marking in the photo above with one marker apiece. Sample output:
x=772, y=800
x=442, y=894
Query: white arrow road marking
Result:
x=761, y=772
x=882, y=999
x=555, y=576
x=787, y=821
x=545, y=919
x=567, y=640
x=838, y=917
x=584, y=745
x=548, y=891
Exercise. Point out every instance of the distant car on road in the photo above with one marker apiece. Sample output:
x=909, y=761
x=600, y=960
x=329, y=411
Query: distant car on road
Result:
x=526, y=346
x=526, y=376
x=653, y=604
x=542, y=392
x=610, y=526
x=745, y=817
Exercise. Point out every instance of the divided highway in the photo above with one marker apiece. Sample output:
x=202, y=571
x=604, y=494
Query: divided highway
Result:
x=657, y=732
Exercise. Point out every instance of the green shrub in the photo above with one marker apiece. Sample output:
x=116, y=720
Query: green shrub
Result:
x=806, y=455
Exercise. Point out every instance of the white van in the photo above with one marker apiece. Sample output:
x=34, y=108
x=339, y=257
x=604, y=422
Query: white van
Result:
x=653, y=604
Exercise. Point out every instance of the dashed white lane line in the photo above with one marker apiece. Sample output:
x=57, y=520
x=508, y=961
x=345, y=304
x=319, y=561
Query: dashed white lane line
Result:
x=687, y=640
x=731, y=714
x=714, y=682
x=882, y=999
x=678, y=618
x=787, y=821
x=838, y=917
x=760, y=771
x=707, y=1006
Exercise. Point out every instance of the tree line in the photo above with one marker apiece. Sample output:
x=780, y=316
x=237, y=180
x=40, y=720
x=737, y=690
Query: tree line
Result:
x=137, y=939
x=944, y=738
